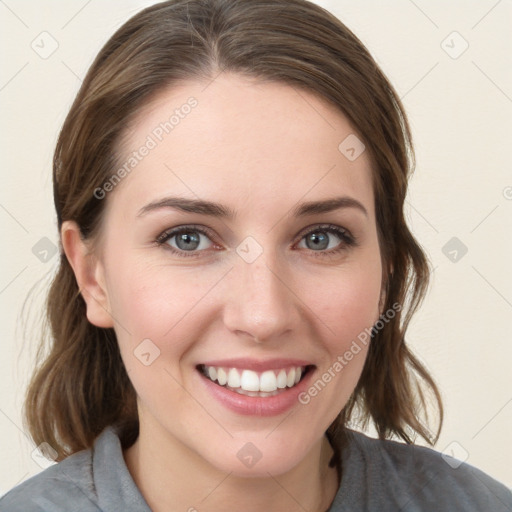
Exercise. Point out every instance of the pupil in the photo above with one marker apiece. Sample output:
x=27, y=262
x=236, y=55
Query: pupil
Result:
x=319, y=241
x=187, y=241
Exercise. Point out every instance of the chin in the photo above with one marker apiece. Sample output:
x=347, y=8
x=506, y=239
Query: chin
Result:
x=258, y=458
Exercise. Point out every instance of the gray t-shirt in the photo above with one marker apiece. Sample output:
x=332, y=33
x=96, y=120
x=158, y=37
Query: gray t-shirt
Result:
x=378, y=476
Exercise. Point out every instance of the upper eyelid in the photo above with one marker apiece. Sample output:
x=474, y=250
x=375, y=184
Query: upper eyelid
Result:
x=323, y=226
x=171, y=232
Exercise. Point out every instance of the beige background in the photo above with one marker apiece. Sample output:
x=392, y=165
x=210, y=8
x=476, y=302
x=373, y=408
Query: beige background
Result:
x=460, y=107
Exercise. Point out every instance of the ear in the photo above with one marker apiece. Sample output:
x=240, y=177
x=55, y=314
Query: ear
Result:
x=89, y=275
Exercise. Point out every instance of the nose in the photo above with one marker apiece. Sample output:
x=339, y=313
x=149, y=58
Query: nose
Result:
x=261, y=301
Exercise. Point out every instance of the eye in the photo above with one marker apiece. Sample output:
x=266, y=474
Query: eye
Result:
x=323, y=240
x=327, y=238
x=191, y=239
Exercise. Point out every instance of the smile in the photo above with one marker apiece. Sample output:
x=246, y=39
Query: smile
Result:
x=252, y=383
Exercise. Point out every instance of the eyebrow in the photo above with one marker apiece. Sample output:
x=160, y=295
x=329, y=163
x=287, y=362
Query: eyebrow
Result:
x=189, y=205
x=219, y=210
x=328, y=205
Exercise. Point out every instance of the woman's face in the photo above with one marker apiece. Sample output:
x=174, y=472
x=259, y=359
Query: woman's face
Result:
x=264, y=276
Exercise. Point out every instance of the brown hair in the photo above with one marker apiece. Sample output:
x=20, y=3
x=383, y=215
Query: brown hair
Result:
x=81, y=385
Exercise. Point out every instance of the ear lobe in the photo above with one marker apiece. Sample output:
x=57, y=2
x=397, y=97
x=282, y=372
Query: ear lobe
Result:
x=89, y=275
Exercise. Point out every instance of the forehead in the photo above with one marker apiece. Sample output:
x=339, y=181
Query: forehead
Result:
x=249, y=143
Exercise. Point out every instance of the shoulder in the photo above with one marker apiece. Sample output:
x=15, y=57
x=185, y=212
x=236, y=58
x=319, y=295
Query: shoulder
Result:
x=409, y=477
x=90, y=481
x=52, y=490
x=76, y=481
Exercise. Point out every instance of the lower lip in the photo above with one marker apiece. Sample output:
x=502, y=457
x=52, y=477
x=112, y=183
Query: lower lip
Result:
x=256, y=405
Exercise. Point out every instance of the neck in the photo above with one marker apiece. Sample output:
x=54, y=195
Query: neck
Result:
x=173, y=478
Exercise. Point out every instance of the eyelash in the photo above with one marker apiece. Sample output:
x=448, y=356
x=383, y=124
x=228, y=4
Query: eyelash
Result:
x=347, y=239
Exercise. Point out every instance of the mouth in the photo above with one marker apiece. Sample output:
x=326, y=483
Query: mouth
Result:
x=247, y=382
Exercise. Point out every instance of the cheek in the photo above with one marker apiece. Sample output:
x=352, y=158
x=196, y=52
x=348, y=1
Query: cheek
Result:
x=347, y=304
x=168, y=306
x=155, y=314
x=152, y=301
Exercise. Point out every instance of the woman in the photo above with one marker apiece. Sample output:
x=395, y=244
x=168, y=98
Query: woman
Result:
x=236, y=278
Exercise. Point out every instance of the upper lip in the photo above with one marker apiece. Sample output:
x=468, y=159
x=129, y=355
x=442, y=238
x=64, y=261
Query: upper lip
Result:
x=257, y=365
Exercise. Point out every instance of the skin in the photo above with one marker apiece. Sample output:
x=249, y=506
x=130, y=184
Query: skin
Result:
x=260, y=149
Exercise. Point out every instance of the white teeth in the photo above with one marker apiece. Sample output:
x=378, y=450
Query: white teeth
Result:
x=221, y=376
x=233, y=378
x=241, y=391
x=249, y=382
x=268, y=381
x=281, y=379
x=290, y=381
